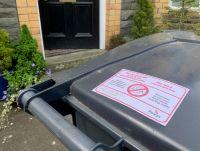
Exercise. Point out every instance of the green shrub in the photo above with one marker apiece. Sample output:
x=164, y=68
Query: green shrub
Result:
x=5, y=58
x=25, y=35
x=26, y=46
x=29, y=64
x=143, y=20
x=116, y=41
x=5, y=51
x=19, y=79
x=4, y=38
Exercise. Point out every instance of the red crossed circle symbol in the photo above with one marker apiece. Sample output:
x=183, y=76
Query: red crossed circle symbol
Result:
x=138, y=90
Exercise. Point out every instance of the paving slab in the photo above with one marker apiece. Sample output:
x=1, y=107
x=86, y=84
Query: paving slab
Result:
x=28, y=134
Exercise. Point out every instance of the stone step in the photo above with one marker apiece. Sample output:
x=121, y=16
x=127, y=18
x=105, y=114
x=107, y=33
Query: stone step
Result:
x=71, y=60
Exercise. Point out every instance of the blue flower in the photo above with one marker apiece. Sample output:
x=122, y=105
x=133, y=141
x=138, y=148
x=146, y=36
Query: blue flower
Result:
x=33, y=65
x=4, y=97
x=48, y=72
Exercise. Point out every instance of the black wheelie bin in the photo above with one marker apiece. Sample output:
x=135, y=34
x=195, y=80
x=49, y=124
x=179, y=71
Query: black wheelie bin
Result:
x=141, y=96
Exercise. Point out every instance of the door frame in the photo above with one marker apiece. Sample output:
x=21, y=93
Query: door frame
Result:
x=102, y=26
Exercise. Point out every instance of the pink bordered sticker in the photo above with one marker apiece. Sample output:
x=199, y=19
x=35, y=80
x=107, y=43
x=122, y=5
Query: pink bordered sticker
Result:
x=154, y=98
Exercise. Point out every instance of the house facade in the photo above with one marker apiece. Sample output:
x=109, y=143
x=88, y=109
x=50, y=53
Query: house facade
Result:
x=76, y=24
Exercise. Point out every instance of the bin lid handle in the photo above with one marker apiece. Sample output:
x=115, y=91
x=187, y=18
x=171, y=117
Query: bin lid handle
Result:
x=115, y=146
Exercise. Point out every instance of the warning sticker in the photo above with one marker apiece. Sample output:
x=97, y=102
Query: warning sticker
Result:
x=154, y=98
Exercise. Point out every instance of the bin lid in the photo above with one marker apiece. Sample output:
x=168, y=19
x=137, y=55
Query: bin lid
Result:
x=158, y=56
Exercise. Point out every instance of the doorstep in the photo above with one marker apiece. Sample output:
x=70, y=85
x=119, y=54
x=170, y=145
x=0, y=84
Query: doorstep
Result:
x=70, y=60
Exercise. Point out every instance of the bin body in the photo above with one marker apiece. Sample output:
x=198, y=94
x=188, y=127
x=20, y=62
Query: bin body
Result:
x=177, y=62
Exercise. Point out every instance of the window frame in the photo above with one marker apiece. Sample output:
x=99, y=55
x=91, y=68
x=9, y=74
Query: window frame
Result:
x=177, y=8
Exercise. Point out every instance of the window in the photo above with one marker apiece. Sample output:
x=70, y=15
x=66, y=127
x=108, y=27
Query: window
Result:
x=188, y=3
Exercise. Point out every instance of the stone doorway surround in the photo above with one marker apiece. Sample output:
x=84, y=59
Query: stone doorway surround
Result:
x=110, y=18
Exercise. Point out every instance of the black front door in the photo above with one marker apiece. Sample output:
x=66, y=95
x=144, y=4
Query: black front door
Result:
x=70, y=25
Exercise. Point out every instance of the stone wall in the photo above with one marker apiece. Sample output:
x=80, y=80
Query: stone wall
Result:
x=127, y=9
x=9, y=18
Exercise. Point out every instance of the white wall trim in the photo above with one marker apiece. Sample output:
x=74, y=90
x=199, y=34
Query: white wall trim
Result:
x=40, y=26
x=102, y=27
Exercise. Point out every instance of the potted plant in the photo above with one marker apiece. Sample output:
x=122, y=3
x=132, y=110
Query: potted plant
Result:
x=5, y=61
x=3, y=88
